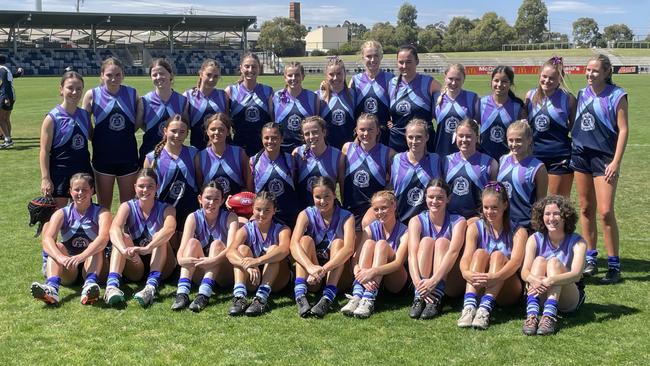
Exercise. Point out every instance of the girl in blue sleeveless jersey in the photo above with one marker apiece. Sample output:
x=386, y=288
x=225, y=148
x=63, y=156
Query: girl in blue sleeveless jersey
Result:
x=551, y=109
x=140, y=234
x=371, y=88
x=321, y=244
x=224, y=163
x=258, y=254
x=83, y=227
x=337, y=104
x=367, y=168
x=435, y=240
x=251, y=105
x=113, y=107
x=204, y=100
x=157, y=106
x=493, y=253
x=599, y=136
x=553, y=263
x=498, y=110
x=202, y=254
x=468, y=171
x=412, y=170
x=64, y=141
x=316, y=159
x=178, y=169
x=381, y=261
x=292, y=104
x=524, y=176
x=274, y=171
x=452, y=106
x=411, y=96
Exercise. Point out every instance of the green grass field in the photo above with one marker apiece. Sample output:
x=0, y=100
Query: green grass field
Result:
x=611, y=328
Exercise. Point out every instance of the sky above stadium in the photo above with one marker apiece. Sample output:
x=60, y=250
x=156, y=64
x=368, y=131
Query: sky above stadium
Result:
x=326, y=12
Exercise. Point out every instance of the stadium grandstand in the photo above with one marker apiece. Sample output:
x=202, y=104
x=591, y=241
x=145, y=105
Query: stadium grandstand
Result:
x=45, y=43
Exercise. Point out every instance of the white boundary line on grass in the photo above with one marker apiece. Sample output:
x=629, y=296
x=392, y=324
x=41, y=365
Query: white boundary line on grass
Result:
x=639, y=145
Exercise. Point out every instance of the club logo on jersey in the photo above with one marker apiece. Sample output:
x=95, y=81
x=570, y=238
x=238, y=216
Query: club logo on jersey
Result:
x=361, y=179
x=80, y=242
x=542, y=123
x=116, y=123
x=403, y=108
x=370, y=105
x=252, y=114
x=451, y=124
x=276, y=187
x=415, y=196
x=461, y=186
x=497, y=134
x=177, y=189
x=293, y=122
x=508, y=188
x=224, y=183
x=78, y=142
x=338, y=117
x=587, y=122
x=310, y=182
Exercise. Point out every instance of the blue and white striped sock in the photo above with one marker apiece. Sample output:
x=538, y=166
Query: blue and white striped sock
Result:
x=184, y=286
x=532, y=305
x=263, y=292
x=439, y=291
x=239, y=290
x=91, y=277
x=614, y=262
x=330, y=292
x=300, y=288
x=487, y=303
x=54, y=282
x=154, y=279
x=550, y=307
x=470, y=300
x=207, y=286
x=113, y=280
x=592, y=256
x=357, y=289
x=370, y=294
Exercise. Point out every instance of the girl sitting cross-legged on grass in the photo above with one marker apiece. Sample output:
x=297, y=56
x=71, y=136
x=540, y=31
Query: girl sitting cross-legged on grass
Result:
x=140, y=235
x=202, y=254
x=381, y=261
x=322, y=242
x=258, y=255
x=494, y=250
x=84, y=227
x=553, y=264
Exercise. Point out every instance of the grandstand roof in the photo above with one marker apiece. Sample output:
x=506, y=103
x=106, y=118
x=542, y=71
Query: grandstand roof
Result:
x=159, y=22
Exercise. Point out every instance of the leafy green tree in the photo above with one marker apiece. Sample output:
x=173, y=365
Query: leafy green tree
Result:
x=284, y=36
x=382, y=33
x=491, y=32
x=457, y=37
x=407, y=16
x=431, y=37
x=585, y=32
x=617, y=33
x=355, y=30
x=531, y=21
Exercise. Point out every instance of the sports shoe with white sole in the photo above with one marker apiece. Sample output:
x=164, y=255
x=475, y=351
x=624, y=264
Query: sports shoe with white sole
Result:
x=466, y=317
x=89, y=294
x=481, y=319
x=351, y=306
x=365, y=308
x=45, y=293
x=113, y=296
x=145, y=296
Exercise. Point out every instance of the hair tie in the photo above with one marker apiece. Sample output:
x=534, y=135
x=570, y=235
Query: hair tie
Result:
x=556, y=60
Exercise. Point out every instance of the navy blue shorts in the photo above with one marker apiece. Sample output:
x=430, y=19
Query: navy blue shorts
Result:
x=61, y=186
x=590, y=162
x=557, y=165
x=116, y=169
x=7, y=104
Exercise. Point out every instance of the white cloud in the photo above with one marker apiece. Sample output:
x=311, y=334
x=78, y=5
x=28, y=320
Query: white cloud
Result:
x=583, y=7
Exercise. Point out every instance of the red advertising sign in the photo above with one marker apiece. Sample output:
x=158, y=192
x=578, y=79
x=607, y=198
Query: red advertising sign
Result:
x=520, y=70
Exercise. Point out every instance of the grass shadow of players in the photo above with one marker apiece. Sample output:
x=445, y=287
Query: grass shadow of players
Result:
x=596, y=313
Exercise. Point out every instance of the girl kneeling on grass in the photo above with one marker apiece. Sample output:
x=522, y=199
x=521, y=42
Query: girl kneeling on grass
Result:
x=322, y=242
x=202, y=254
x=553, y=264
x=84, y=234
x=435, y=240
x=258, y=254
x=385, y=247
x=140, y=235
x=494, y=250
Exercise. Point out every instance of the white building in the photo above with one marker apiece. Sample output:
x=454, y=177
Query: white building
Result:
x=326, y=38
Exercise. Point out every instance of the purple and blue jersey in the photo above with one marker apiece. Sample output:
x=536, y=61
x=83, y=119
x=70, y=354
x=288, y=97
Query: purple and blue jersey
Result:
x=446, y=230
x=115, y=117
x=549, y=121
x=206, y=233
x=519, y=180
x=256, y=241
x=249, y=110
x=495, y=120
x=200, y=107
x=322, y=233
x=466, y=178
x=408, y=101
x=143, y=229
x=289, y=113
x=69, y=152
x=338, y=114
x=372, y=97
x=225, y=169
x=156, y=113
x=377, y=233
x=365, y=174
x=410, y=180
x=449, y=113
x=309, y=167
x=78, y=231
x=277, y=177
x=563, y=252
x=488, y=242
